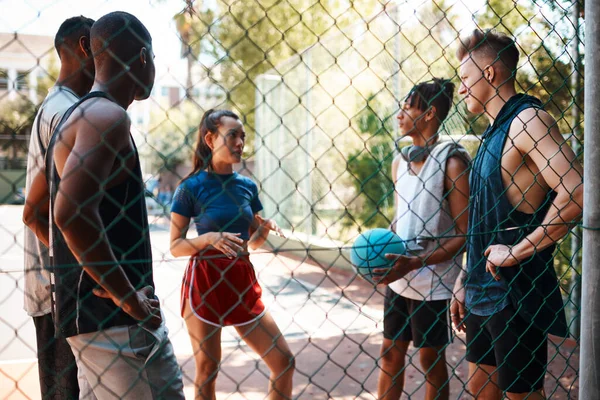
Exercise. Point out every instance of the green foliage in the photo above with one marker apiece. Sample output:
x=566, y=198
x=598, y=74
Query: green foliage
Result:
x=545, y=69
x=171, y=137
x=245, y=42
x=373, y=205
x=193, y=25
x=16, y=116
x=16, y=120
x=49, y=77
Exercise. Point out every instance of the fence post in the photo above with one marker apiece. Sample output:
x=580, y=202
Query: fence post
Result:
x=589, y=362
x=575, y=287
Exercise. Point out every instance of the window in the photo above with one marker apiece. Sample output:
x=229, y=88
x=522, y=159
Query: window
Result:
x=3, y=79
x=22, y=82
x=173, y=96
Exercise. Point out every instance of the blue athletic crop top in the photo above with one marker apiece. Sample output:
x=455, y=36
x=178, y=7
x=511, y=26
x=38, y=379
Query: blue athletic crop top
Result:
x=218, y=203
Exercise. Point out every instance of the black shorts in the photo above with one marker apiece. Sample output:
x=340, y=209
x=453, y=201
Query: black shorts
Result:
x=56, y=365
x=506, y=341
x=425, y=323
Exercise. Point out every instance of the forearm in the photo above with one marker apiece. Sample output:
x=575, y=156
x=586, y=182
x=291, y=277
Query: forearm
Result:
x=462, y=276
x=38, y=225
x=566, y=210
x=85, y=236
x=259, y=237
x=445, y=251
x=183, y=247
x=35, y=216
x=41, y=229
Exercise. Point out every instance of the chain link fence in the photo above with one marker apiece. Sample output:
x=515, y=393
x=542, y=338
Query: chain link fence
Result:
x=347, y=116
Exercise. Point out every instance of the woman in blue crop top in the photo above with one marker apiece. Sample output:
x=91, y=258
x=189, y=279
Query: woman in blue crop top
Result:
x=219, y=286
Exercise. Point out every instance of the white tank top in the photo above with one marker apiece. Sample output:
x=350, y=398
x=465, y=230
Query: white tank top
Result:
x=415, y=196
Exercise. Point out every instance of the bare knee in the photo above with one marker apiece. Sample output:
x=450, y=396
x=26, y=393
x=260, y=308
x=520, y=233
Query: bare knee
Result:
x=284, y=365
x=537, y=395
x=206, y=369
x=392, y=354
x=483, y=382
x=431, y=357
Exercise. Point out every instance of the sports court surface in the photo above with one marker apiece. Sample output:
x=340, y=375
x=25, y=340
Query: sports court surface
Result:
x=331, y=319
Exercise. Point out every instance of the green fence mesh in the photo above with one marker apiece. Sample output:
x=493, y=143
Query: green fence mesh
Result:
x=357, y=135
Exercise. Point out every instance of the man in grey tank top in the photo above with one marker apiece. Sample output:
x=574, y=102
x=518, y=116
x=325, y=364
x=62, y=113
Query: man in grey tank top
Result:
x=99, y=227
x=431, y=198
x=57, y=368
x=526, y=193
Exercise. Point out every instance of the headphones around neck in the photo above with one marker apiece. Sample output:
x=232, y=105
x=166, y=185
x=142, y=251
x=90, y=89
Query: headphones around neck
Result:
x=414, y=153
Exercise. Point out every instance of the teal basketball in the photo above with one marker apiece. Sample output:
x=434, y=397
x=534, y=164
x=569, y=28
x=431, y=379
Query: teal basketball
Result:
x=369, y=250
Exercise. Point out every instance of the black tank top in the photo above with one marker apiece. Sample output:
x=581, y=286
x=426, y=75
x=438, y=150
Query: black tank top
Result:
x=531, y=287
x=123, y=213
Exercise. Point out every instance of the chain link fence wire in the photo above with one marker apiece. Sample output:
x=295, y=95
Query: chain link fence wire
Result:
x=324, y=91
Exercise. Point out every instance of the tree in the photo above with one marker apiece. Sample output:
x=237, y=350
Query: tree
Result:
x=193, y=26
x=373, y=204
x=51, y=70
x=16, y=120
x=542, y=37
x=17, y=115
x=171, y=137
x=248, y=41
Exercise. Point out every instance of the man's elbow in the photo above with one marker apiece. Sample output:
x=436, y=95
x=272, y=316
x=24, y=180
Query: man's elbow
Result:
x=32, y=214
x=28, y=216
x=65, y=217
x=572, y=210
x=577, y=199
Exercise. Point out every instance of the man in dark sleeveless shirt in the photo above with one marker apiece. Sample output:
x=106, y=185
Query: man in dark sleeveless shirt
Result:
x=526, y=193
x=99, y=236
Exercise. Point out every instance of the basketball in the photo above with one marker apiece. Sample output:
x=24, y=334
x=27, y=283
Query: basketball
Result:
x=369, y=250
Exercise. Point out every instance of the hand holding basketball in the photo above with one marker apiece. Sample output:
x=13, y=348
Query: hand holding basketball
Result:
x=369, y=252
x=402, y=266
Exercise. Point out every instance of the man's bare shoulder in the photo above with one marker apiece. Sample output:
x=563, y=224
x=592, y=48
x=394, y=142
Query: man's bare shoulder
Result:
x=456, y=166
x=100, y=116
x=535, y=123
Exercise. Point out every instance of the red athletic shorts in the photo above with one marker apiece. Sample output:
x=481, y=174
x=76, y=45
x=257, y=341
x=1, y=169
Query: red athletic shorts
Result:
x=222, y=291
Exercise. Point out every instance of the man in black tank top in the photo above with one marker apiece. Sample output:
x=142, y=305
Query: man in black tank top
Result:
x=99, y=233
x=526, y=190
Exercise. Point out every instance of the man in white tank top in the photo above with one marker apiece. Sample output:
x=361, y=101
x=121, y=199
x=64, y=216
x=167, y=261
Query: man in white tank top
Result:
x=432, y=189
